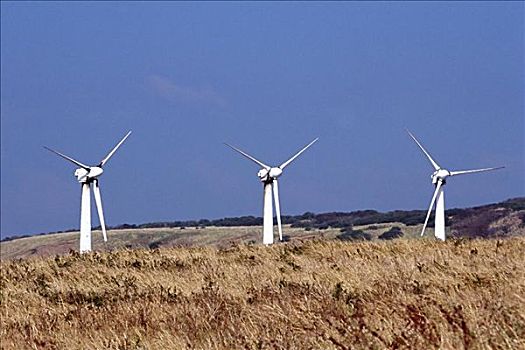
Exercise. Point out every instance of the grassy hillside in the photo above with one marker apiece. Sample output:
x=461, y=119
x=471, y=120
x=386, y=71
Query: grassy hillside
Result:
x=498, y=220
x=316, y=294
x=221, y=237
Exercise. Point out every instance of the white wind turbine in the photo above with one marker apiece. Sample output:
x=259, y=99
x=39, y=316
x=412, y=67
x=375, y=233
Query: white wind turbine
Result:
x=439, y=179
x=268, y=176
x=88, y=175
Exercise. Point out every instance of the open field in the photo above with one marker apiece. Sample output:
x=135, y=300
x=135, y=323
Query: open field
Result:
x=319, y=294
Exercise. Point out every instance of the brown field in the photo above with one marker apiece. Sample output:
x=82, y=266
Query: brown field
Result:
x=316, y=294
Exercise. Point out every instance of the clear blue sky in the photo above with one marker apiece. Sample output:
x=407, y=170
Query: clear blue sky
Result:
x=267, y=77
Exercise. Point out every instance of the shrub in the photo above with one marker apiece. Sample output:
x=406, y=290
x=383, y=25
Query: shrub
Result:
x=394, y=232
x=357, y=235
x=154, y=245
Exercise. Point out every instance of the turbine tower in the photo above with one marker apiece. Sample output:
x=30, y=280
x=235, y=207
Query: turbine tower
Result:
x=439, y=179
x=268, y=176
x=87, y=176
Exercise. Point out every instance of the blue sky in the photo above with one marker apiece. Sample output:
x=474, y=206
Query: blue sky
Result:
x=268, y=78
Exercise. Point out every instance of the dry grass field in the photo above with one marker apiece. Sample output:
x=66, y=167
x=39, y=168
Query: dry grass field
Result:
x=316, y=294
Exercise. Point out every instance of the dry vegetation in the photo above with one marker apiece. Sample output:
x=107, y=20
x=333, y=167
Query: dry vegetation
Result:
x=417, y=294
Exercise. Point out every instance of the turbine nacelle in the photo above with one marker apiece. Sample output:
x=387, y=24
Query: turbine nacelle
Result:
x=269, y=174
x=440, y=174
x=81, y=175
x=263, y=174
x=84, y=175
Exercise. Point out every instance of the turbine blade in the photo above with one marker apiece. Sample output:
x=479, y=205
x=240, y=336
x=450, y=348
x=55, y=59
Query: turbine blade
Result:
x=438, y=186
x=434, y=164
x=98, y=201
x=248, y=156
x=110, y=154
x=277, y=208
x=461, y=172
x=282, y=166
x=76, y=162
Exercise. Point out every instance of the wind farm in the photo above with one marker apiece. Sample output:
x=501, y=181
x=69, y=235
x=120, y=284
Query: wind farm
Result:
x=87, y=176
x=274, y=194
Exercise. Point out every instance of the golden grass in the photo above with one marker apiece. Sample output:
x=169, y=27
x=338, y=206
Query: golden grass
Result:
x=417, y=294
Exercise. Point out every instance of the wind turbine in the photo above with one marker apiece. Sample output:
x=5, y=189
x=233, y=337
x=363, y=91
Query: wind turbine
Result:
x=87, y=176
x=439, y=179
x=268, y=176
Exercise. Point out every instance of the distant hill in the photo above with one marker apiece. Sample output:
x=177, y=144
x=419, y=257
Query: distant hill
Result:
x=471, y=222
x=506, y=218
x=499, y=220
